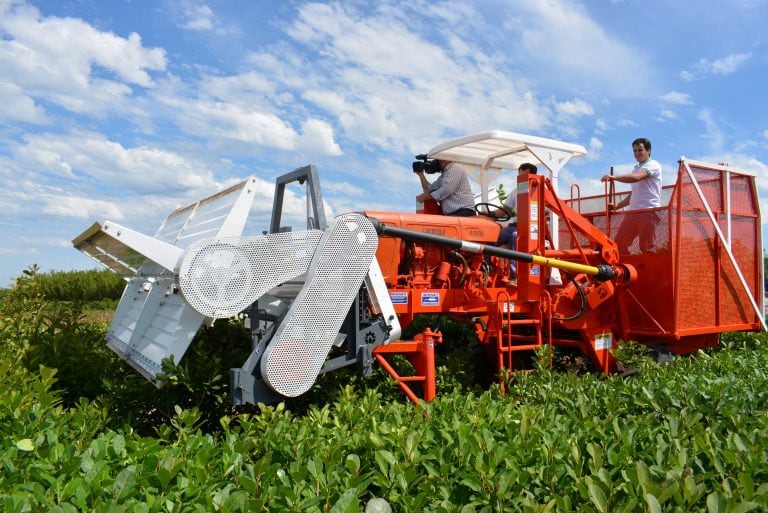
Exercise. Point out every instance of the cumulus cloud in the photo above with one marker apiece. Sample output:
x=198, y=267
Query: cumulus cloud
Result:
x=235, y=123
x=677, y=98
x=86, y=156
x=390, y=85
x=18, y=107
x=666, y=115
x=722, y=66
x=317, y=136
x=69, y=62
x=79, y=207
x=197, y=17
x=595, y=145
x=559, y=34
x=575, y=108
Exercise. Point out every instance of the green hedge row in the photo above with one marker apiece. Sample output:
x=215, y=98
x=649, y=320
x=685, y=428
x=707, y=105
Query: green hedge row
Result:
x=688, y=436
x=85, y=286
x=691, y=436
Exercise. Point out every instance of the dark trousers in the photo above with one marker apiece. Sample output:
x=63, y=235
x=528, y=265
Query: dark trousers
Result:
x=508, y=237
x=463, y=212
x=640, y=225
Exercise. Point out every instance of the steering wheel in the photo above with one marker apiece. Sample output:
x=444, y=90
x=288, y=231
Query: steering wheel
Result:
x=487, y=209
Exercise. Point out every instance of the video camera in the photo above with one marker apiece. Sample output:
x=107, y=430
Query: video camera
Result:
x=429, y=166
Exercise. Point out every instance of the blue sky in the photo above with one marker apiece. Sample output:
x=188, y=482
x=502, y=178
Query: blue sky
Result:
x=124, y=110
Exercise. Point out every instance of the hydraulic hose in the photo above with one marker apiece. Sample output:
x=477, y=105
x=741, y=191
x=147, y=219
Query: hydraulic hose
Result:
x=600, y=272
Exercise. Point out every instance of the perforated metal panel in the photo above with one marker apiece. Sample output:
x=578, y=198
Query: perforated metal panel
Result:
x=293, y=359
x=222, y=214
x=219, y=277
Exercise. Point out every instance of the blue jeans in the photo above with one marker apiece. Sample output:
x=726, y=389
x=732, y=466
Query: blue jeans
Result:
x=508, y=237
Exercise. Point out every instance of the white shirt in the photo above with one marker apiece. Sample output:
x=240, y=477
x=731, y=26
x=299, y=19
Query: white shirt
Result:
x=647, y=192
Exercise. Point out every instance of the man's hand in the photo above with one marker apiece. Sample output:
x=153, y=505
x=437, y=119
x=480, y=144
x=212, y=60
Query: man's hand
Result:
x=606, y=178
x=424, y=196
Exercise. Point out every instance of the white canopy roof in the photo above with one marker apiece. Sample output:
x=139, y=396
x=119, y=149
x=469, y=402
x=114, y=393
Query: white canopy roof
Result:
x=485, y=154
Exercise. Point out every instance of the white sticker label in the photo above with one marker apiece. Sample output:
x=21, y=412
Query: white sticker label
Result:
x=509, y=306
x=534, y=210
x=534, y=231
x=603, y=341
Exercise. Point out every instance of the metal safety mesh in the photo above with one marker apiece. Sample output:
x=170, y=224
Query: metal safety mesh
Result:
x=220, y=277
x=687, y=283
x=293, y=359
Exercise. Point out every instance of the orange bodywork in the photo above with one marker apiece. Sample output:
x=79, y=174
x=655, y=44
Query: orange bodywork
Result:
x=692, y=287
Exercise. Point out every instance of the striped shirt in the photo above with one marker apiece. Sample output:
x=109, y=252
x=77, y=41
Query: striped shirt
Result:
x=452, y=189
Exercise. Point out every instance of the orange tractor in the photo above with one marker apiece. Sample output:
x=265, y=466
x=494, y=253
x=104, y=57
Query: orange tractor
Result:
x=339, y=294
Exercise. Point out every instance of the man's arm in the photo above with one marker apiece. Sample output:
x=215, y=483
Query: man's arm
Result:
x=635, y=176
x=621, y=204
x=424, y=196
x=448, y=182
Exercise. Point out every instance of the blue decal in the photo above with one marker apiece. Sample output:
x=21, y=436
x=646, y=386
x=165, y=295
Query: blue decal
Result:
x=399, y=298
x=430, y=299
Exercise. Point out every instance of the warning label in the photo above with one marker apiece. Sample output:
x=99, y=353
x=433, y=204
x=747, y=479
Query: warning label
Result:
x=603, y=341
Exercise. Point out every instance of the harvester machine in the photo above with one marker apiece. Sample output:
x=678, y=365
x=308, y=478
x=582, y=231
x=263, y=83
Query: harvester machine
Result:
x=340, y=293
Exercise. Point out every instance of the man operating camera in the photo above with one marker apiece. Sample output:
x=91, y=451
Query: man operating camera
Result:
x=451, y=189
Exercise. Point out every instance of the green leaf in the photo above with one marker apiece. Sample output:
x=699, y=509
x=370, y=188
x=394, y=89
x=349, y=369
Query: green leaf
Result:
x=715, y=503
x=746, y=506
x=652, y=502
x=26, y=444
x=597, y=496
x=124, y=483
x=473, y=483
x=347, y=503
x=352, y=462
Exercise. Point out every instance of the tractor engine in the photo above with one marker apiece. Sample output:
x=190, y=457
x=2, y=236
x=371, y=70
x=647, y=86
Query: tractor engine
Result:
x=414, y=265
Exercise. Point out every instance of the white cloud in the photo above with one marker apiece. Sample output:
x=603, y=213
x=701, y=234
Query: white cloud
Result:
x=317, y=136
x=246, y=110
x=344, y=188
x=389, y=85
x=85, y=156
x=723, y=66
x=80, y=207
x=559, y=35
x=575, y=108
x=34, y=198
x=218, y=120
x=67, y=61
x=713, y=134
x=595, y=145
x=18, y=107
x=666, y=115
x=197, y=17
x=677, y=98
x=624, y=122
